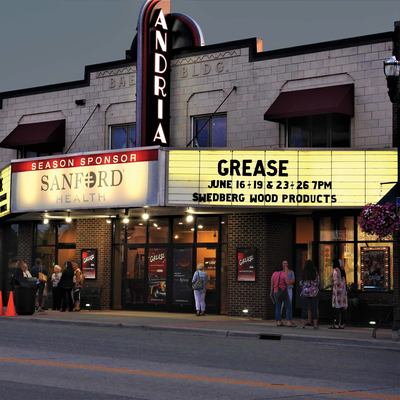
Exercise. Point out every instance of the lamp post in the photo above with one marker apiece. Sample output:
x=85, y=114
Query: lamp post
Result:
x=391, y=68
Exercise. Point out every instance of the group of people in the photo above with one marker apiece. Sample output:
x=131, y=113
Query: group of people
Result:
x=281, y=292
x=66, y=285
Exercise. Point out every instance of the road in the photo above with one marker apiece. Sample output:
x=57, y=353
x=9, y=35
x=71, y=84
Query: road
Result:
x=58, y=361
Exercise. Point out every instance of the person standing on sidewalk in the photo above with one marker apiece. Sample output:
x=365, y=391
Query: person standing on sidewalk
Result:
x=280, y=280
x=77, y=287
x=55, y=280
x=66, y=284
x=309, y=283
x=38, y=267
x=339, y=293
x=25, y=270
x=200, y=294
x=290, y=274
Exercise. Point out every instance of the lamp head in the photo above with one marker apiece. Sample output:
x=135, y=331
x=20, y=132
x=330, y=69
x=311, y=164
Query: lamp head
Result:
x=391, y=67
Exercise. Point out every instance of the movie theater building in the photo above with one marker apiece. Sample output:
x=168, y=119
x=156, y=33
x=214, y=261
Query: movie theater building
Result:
x=182, y=152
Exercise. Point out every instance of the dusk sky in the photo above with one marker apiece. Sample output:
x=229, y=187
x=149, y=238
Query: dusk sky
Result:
x=47, y=42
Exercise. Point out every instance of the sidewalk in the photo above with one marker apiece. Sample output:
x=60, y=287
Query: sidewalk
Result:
x=219, y=325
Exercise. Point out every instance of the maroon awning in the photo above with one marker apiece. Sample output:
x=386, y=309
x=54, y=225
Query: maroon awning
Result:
x=324, y=100
x=50, y=133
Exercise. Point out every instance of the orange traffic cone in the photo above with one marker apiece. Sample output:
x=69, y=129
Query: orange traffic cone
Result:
x=10, y=306
x=1, y=305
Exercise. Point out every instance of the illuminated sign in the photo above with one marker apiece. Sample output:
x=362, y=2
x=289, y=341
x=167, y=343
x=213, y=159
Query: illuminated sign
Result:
x=279, y=178
x=159, y=32
x=153, y=74
x=93, y=180
x=5, y=191
x=159, y=83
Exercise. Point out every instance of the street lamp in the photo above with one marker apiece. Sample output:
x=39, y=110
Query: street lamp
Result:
x=391, y=68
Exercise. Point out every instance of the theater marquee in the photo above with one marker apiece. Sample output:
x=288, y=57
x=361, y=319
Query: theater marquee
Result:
x=85, y=181
x=279, y=178
x=5, y=190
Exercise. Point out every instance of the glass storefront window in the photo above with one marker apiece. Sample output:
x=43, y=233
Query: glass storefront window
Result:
x=224, y=229
x=326, y=252
x=67, y=233
x=136, y=231
x=46, y=234
x=336, y=229
x=134, y=284
x=207, y=229
x=370, y=238
x=46, y=254
x=182, y=231
x=117, y=272
x=329, y=251
x=65, y=255
x=159, y=230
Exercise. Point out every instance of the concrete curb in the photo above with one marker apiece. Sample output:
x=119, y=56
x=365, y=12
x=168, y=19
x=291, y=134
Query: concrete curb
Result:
x=344, y=342
x=392, y=346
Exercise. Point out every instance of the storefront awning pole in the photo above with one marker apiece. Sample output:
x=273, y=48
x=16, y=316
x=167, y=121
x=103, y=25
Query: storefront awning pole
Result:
x=208, y=120
x=83, y=127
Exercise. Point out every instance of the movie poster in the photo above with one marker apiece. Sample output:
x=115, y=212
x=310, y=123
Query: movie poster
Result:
x=157, y=273
x=246, y=264
x=375, y=268
x=89, y=263
x=182, y=267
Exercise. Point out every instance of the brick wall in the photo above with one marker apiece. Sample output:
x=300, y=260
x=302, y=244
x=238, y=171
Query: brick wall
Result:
x=272, y=235
x=25, y=243
x=96, y=234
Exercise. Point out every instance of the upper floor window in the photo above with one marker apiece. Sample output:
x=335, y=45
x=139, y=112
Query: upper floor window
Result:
x=209, y=131
x=323, y=130
x=32, y=153
x=123, y=136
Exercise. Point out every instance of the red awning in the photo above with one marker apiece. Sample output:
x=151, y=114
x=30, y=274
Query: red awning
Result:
x=50, y=133
x=324, y=100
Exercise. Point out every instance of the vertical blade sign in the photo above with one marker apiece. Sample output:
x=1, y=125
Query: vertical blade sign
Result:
x=159, y=82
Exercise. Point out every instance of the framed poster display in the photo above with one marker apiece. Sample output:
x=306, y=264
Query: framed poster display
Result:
x=246, y=264
x=89, y=263
x=182, y=293
x=157, y=276
x=375, y=268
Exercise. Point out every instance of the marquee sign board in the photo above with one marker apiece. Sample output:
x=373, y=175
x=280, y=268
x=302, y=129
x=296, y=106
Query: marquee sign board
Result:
x=84, y=181
x=5, y=191
x=316, y=179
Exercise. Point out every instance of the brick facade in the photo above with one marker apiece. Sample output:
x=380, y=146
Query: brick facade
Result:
x=25, y=242
x=96, y=234
x=273, y=236
x=201, y=79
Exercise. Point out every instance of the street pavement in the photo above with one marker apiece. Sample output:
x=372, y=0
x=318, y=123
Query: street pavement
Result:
x=221, y=325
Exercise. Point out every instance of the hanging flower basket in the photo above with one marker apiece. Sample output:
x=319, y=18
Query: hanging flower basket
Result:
x=379, y=220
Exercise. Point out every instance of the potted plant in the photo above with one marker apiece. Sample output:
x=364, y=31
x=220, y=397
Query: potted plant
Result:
x=379, y=220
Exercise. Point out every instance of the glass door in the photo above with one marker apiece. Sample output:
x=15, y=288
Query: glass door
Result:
x=208, y=256
x=133, y=291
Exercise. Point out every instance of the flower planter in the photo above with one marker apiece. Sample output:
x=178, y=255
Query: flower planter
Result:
x=379, y=220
